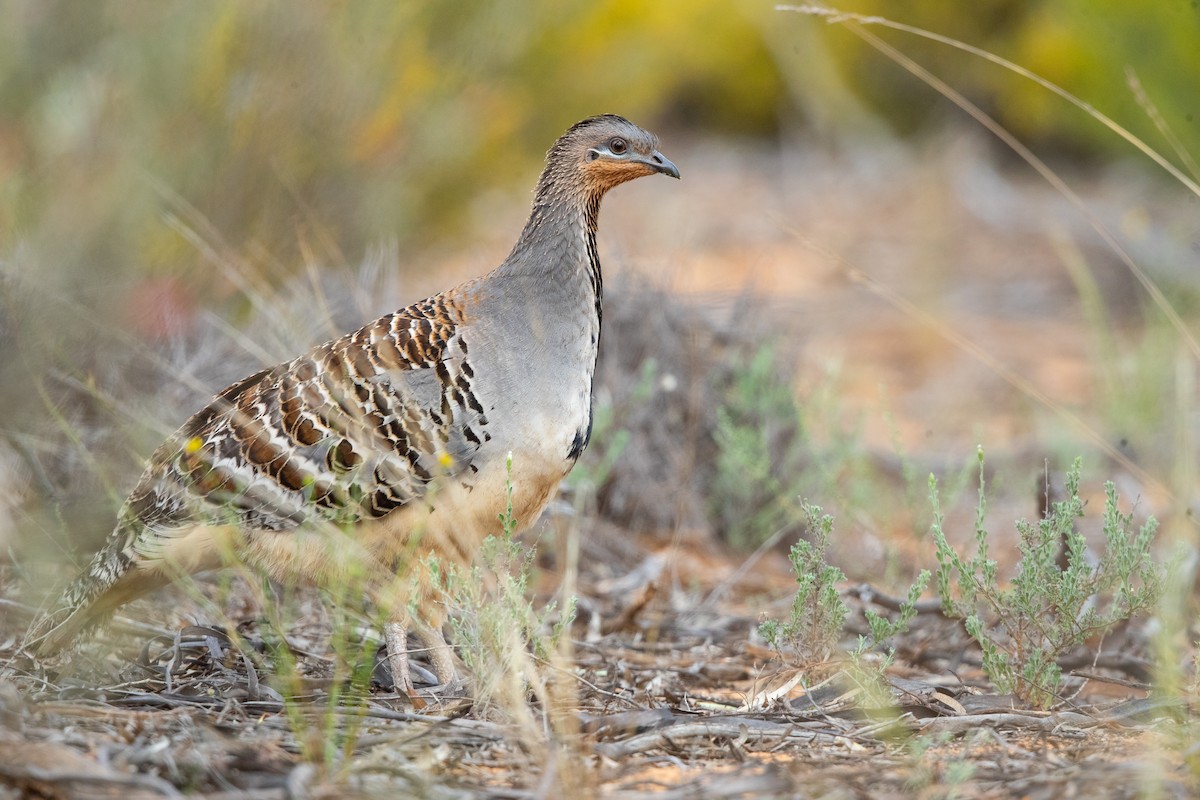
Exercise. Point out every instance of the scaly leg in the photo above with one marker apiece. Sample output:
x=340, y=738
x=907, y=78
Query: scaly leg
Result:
x=441, y=655
x=396, y=637
x=395, y=633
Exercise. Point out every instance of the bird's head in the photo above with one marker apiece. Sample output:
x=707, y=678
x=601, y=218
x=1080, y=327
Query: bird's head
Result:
x=602, y=152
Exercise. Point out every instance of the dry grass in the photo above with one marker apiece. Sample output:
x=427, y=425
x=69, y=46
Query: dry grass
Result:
x=678, y=702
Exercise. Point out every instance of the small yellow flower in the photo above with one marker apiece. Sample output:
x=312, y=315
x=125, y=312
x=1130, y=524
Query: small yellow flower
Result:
x=193, y=444
x=445, y=459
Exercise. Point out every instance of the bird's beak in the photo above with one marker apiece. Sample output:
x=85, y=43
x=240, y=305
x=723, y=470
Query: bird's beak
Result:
x=660, y=163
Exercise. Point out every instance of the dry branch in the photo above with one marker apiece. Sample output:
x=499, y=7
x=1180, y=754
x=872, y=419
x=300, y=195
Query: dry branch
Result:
x=734, y=728
x=1064, y=723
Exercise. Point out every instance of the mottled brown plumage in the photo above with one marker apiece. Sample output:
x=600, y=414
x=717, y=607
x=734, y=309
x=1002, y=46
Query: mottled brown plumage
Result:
x=390, y=443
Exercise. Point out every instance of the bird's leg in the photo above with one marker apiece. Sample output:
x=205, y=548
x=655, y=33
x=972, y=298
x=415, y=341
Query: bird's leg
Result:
x=396, y=637
x=442, y=659
x=391, y=596
x=441, y=655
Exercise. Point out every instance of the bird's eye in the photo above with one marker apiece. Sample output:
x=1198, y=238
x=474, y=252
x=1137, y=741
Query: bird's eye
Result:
x=618, y=146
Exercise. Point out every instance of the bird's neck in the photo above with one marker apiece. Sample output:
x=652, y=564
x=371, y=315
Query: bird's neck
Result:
x=557, y=247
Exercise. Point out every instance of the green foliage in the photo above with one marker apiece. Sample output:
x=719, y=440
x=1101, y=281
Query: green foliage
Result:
x=496, y=626
x=868, y=670
x=814, y=626
x=818, y=612
x=1085, y=46
x=882, y=628
x=760, y=453
x=771, y=449
x=496, y=590
x=1022, y=630
x=508, y=520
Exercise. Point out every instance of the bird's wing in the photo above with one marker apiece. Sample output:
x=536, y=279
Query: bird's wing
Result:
x=351, y=430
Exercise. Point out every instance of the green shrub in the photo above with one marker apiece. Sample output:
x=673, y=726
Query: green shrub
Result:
x=814, y=626
x=1047, y=610
x=497, y=631
x=759, y=454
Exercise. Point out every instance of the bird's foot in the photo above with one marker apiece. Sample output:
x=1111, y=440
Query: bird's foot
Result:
x=443, y=687
x=450, y=700
x=396, y=637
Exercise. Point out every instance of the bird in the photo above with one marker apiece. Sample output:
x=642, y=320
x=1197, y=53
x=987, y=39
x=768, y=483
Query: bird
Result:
x=397, y=442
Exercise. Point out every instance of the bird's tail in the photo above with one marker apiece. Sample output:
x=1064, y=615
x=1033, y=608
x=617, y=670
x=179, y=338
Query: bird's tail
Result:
x=88, y=601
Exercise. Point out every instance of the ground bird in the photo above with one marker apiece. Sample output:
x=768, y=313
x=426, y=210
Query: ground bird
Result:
x=389, y=444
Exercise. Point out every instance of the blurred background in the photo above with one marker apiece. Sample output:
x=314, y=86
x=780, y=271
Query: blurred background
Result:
x=189, y=190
